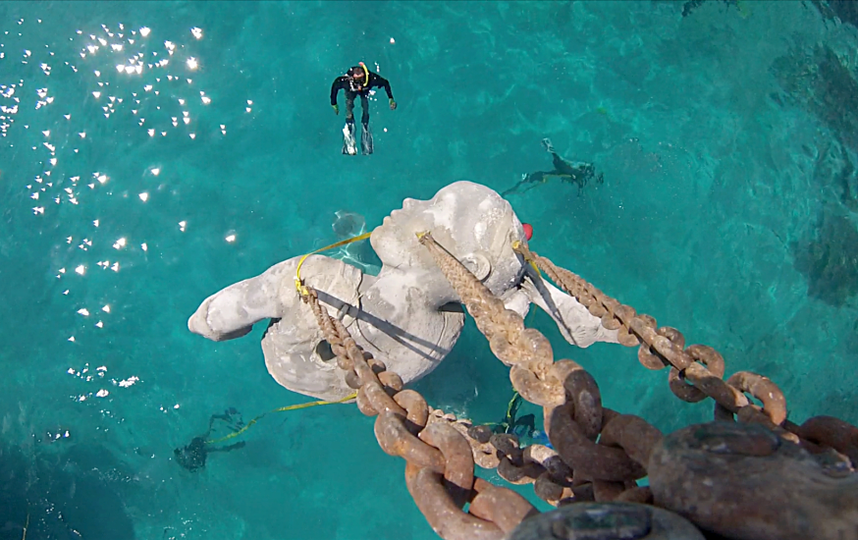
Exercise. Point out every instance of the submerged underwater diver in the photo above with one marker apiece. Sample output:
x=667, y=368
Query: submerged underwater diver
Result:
x=523, y=427
x=193, y=456
x=578, y=172
x=358, y=81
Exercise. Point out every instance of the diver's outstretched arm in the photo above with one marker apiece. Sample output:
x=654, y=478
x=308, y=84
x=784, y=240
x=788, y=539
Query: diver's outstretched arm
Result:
x=234, y=446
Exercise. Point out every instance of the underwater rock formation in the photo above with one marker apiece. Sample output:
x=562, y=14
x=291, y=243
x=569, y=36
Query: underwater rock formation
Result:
x=691, y=5
x=829, y=258
x=834, y=168
x=821, y=82
x=75, y=492
x=845, y=10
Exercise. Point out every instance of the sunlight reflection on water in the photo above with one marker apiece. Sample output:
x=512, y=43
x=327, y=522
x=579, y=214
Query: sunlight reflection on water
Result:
x=101, y=88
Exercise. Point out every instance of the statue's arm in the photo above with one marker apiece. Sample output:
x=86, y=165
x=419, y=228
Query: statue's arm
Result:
x=578, y=326
x=232, y=312
x=517, y=300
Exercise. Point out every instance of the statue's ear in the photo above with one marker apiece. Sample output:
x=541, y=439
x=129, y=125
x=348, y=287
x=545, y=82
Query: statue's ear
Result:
x=478, y=264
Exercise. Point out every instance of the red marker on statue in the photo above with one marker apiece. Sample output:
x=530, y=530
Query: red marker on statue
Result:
x=528, y=230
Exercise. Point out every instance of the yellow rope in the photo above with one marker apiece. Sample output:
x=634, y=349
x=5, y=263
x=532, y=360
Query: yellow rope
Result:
x=299, y=283
x=282, y=409
x=531, y=262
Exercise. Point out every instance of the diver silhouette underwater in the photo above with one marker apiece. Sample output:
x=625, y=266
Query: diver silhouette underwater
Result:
x=358, y=81
x=579, y=173
x=193, y=455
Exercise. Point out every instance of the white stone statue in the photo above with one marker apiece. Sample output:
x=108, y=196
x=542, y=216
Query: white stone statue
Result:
x=408, y=316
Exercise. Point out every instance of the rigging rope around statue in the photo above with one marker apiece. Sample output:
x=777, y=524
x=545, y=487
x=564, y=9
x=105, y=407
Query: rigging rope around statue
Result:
x=299, y=284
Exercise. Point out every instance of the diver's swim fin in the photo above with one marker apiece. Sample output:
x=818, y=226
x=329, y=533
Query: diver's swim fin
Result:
x=349, y=143
x=365, y=139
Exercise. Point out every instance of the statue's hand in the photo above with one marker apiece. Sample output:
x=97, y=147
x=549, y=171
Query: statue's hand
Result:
x=232, y=312
x=517, y=300
x=215, y=327
x=578, y=326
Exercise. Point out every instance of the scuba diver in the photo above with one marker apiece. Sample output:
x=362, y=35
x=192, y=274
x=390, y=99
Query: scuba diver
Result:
x=578, y=173
x=523, y=427
x=193, y=456
x=358, y=81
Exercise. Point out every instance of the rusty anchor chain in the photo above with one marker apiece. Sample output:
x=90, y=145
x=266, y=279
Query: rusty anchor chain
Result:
x=572, y=408
x=600, y=454
x=699, y=365
x=439, y=470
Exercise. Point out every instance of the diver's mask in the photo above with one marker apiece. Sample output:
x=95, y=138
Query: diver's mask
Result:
x=358, y=78
x=355, y=85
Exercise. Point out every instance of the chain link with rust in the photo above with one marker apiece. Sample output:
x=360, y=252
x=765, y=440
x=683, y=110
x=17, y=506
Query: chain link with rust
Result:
x=535, y=464
x=574, y=418
x=700, y=365
x=571, y=402
x=439, y=470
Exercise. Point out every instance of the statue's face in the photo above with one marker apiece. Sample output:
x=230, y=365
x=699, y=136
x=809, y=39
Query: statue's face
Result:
x=470, y=220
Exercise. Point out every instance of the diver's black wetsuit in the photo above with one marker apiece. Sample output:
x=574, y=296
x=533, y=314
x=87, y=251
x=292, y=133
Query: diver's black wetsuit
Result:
x=578, y=172
x=193, y=456
x=375, y=81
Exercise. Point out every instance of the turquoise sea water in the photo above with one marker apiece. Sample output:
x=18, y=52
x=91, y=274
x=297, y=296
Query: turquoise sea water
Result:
x=728, y=140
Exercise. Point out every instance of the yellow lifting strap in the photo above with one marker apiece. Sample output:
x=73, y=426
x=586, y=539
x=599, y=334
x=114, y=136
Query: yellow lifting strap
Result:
x=282, y=409
x=299, y=283
x=516, y=245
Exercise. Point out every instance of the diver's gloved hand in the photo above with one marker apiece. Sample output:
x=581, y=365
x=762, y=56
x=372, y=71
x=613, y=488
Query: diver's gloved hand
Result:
x=392, y=104
x=336, y=109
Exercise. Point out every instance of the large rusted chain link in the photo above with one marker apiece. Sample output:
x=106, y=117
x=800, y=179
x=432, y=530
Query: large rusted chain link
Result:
x=699, y=365
x=741, y=480
x=831, y=432
x=536, y=464
x=439, y=460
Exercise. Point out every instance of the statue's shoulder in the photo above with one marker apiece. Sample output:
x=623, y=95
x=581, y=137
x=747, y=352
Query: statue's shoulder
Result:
x=330, y=277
